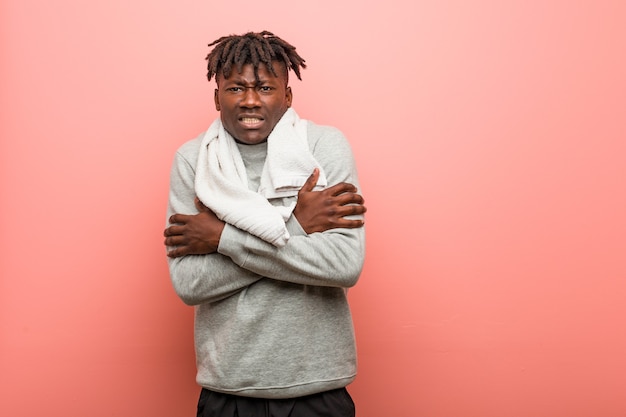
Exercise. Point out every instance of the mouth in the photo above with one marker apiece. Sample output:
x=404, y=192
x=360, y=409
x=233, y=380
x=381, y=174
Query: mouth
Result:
x=251, y=122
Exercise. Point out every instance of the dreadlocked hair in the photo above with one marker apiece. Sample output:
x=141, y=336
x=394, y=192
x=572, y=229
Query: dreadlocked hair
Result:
x=251, y=48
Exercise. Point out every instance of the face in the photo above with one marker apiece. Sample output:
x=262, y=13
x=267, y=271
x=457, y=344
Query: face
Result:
x=251, y=107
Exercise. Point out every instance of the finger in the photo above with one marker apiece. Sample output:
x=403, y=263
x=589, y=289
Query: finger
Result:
x=179, y=218
x=342, y=187
x=178, y=240
x=311, y=181
x=348, y=198
x=173, y=230
x=354, y=209
x=200, y=205
x=350, y=224
x=175, y=253
x=349, y=210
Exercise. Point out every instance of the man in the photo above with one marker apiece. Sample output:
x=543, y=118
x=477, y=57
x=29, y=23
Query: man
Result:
x=265, y=236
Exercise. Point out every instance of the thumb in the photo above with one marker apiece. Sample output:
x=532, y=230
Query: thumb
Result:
x=311, y=181
x=200, y=206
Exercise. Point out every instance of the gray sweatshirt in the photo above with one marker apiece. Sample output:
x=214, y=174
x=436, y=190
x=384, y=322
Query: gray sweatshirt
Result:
x=272, y=322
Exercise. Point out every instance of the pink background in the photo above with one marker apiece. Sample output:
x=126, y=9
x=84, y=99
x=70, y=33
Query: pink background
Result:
x=490, y=138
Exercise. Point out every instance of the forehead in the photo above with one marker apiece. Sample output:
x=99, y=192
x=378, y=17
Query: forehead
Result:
x=263, y=74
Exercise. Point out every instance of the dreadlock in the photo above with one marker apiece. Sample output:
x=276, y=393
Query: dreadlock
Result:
x=251, y=48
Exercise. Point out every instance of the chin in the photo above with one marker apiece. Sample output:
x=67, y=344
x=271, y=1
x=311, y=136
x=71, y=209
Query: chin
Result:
x=251, y=141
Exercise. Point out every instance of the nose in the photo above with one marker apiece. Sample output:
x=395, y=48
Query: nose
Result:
x=250, y=98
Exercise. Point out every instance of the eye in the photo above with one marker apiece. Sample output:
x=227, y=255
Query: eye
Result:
x=265, y=89
x=235, y=89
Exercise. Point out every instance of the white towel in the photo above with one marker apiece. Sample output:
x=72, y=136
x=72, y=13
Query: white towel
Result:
x=222, y=185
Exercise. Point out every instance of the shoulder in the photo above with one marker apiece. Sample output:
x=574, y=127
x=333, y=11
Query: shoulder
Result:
x=325, y=139
x=318, y=133
x=332, y=150
x=189, y=150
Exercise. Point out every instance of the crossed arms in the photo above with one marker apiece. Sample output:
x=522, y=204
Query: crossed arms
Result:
x=210, y=260
x=316, y=211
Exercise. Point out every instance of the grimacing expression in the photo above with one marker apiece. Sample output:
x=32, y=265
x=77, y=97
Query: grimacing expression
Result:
x=250, y=107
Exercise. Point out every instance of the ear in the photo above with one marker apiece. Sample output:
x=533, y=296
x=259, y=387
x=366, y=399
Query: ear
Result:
x=217, y=100
x=288, y=96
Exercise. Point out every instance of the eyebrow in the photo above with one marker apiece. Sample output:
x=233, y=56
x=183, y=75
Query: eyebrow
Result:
x=242, y=81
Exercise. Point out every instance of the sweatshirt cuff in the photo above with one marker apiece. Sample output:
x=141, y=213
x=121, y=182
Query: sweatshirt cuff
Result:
x=293, y=227
x=233, y=240
x=232, y=244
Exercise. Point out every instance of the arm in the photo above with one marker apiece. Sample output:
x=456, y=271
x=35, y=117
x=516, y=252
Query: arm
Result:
x=199, y=278
x=318, y=211
x=327, y=243
x=333, y=257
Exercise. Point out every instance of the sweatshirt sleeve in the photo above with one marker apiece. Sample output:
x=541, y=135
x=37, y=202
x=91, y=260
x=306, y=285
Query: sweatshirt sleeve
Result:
x=199, y=278
x=331, y=258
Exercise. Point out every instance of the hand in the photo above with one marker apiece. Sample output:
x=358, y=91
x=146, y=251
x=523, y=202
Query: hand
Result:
x=194, y=234
x=318, y=211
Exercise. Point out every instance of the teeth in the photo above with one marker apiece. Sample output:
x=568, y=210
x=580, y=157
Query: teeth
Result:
x=250, y=120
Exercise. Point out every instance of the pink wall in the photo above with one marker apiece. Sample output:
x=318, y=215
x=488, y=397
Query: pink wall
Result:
x=490, y=138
